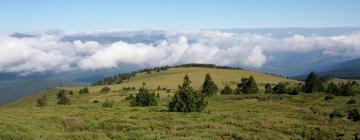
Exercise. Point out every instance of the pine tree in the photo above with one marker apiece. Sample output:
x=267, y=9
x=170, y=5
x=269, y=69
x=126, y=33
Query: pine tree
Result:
x=313, y=84
x=209, y=88
x=227, y=90
x=186, y=99
x=268, y=88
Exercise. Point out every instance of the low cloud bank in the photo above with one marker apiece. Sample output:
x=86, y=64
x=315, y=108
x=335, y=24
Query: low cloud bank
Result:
x=47, y=52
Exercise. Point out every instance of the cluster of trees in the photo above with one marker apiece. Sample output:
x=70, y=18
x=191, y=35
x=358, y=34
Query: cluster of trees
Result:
x=206, y=66
x=123, y=77
x=84, y=90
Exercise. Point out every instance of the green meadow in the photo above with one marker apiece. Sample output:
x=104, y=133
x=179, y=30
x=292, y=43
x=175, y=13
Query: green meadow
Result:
x=248, y=116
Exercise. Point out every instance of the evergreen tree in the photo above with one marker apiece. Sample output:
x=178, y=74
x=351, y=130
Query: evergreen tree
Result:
x=268, y=88
x=209, y=88
x=62, y=98
x=42, y=101
x=313, y=84
x=144, y=98
x=227, y=90
x=247, y=86
x=186, y=99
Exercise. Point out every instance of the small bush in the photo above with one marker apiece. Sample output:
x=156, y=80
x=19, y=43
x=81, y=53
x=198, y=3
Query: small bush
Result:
x=130, y=97
x=336, y=113
x=168, y=90
x=158, y=95
x=108, y=104
x=354, y=115
x=42, y=101
x=105, y=89
x=95, y=101
x=281, y=88
x=294, y=91
x=351, y=101
x=328, y=97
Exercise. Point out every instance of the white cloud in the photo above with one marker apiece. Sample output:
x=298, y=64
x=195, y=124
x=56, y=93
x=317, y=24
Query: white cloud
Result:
x=47, y=52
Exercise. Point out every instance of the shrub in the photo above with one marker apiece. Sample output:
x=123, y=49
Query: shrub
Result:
x=294, y=91
x=351, y=101
x=158, y=95
x=186, y=99
x=209, y=88
x=71, y=92
x=158, y=88
x=336, y=113
x=168, y=90
x=95, y=101
x=62, y=98
x=105, y=89
x=329, y=97
x=281, y=88
x=108, y=104
x=268, y=88
x=227, y=90
x=42, y=101
x=130, y=97
x=247, y=86
x=144, y=98
x=354, y=115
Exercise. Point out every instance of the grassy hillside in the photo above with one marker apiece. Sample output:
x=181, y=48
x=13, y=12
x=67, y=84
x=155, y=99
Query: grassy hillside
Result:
x=255, y=116
x=172, y=77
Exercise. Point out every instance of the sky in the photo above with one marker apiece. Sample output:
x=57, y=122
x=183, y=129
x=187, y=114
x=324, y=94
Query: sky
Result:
x=90, y=15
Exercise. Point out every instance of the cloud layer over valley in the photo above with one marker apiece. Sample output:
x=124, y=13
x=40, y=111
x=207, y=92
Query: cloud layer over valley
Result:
x=101, y=50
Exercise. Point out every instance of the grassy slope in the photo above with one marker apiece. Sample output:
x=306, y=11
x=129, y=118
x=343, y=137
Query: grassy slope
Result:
x=227, y=117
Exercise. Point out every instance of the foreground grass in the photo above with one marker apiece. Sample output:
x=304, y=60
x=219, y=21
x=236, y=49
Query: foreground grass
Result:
x=257, y=116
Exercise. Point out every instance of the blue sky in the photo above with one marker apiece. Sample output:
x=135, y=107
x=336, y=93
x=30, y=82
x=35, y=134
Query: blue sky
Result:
x=88, y=15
